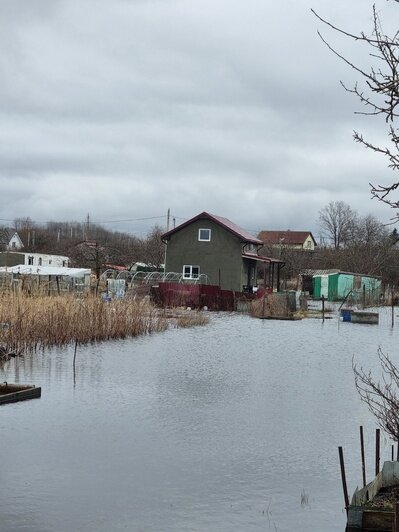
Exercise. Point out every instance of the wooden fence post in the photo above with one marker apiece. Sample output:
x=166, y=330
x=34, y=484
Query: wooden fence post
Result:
x=377, y=451
x=343, y=477
x=362, y=454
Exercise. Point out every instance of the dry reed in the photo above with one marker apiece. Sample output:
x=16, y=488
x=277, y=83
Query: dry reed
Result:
x=271, y=305
x=191, y=319
x=31, y=323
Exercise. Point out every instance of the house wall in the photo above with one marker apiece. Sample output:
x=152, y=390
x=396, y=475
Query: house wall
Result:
x=373, y=288
x=32, y=259
x=320, y=286
x=220, y=259
x=15, y=242
x=341, y=285
x=11, y=259
x=316, y=282
x=324, y=286
x=308, y=244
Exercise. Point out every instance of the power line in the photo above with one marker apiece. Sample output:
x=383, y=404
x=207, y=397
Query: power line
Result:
x=91, y=221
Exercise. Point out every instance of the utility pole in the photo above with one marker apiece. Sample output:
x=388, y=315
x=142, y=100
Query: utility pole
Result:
x=88, y=226
x=166, y=246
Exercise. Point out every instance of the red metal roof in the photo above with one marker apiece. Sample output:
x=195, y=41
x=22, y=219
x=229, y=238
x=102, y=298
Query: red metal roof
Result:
x=224, y=222
x=285, y=237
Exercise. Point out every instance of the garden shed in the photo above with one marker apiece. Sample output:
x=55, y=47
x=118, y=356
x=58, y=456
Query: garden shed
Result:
x=339, y=285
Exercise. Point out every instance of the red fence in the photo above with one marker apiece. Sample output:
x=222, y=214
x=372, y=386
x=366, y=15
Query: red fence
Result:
x=198, y=296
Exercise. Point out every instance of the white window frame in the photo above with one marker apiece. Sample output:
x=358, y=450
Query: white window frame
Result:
x=204, y=239
x=190, y=275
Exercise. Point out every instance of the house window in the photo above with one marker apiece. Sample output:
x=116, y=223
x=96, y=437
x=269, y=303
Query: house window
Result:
x=13, y=245
x=30, y=260
x=40, y=261
x=190, y=272
x=204, y=235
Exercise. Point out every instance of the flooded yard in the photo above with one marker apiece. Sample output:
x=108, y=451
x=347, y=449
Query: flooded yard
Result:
x=233, y=426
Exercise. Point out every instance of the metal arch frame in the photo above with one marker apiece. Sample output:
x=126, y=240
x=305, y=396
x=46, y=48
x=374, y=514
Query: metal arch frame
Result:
x=148, y=277
x=125, y=274
x=108, y=274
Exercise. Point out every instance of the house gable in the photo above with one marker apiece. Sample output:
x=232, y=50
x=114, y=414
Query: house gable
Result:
x=15, y=243
x=241, y=234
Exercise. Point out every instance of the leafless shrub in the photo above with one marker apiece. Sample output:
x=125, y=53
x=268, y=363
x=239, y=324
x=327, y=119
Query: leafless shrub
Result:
x=381, y=396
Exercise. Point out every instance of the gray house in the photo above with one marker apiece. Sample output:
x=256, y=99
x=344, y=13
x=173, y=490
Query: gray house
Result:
x=213, y=250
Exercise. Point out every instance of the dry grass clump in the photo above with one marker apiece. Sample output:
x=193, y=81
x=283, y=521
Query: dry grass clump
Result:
x=191, y=319
x=272, y=305
x=30, y=323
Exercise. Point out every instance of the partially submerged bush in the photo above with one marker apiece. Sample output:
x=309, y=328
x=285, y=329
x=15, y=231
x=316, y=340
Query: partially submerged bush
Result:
x=28, y=323
x=191, y=319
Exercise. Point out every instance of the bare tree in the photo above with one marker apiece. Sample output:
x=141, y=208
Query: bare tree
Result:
x=336, y=220
x=378, y=94
x=153, y=247
x=381, y=397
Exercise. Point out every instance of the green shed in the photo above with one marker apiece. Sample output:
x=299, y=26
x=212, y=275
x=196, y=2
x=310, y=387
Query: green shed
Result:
x=338, y=285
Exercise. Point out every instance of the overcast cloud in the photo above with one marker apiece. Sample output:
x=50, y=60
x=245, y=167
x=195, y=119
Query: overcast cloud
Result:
x=125, y=108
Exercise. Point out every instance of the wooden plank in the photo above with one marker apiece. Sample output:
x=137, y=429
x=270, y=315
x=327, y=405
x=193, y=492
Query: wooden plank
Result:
x=378, y=520
x=21, y=395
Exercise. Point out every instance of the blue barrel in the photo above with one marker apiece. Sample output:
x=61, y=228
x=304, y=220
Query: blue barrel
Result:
x=346, y=314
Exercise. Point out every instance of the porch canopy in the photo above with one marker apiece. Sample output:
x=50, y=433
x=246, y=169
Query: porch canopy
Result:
x=270, y=274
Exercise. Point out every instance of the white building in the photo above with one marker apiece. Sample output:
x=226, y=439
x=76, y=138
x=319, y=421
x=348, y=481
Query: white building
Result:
x=15, y=242
x=11, y=258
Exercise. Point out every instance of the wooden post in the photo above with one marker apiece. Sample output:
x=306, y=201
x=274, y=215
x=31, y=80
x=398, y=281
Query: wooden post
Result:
x=397, y=443
x=264, y=276
x=343, y=477
x=322, y=307
x=364, y=296
x=377, y=451
x=392, y=451
x=362, y=454
x=392, y=308
x=74, y=361
x=74, y=354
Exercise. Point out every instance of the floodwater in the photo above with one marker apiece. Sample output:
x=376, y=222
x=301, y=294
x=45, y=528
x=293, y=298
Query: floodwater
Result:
x=234, y=426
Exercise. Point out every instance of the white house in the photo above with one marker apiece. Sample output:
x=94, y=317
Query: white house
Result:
x=15, y=242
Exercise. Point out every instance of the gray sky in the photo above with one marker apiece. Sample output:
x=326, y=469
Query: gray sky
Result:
x=125, y=108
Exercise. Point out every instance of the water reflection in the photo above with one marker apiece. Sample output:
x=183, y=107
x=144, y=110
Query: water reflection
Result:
x=227, y=427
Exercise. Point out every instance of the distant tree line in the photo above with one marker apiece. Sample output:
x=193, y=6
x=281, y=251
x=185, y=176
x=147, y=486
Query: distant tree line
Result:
x=87, y=245
x=349, y=242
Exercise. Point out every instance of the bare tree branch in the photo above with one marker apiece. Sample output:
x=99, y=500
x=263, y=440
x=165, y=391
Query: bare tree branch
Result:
x=379, y=94
x=381, y=397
